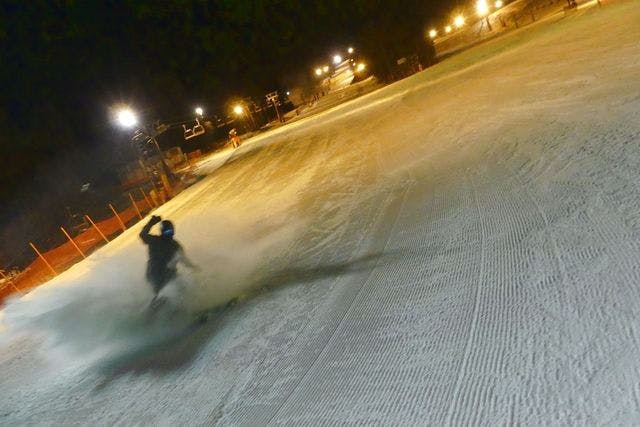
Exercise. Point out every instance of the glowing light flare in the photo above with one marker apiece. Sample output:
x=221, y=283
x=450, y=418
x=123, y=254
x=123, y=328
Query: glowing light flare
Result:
x=199, y=111
x=433, y=33
x=447, y=29
x=126, y=118
x=318, y=71
x=482, y=7
x=350, y=50
x=337, y=59
x=499, y=4
x=238, y=110
x=458, y=21
x=361, y=67
x=325, y=69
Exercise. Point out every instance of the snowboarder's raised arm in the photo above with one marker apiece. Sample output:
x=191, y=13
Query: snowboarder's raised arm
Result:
x=144, y=234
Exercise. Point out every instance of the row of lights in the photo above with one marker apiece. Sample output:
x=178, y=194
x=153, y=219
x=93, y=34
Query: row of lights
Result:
x=127, y=118
x=337, y=59
x=482, y=8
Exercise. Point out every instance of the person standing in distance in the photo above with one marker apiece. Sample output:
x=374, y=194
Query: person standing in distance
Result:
x=164, y=254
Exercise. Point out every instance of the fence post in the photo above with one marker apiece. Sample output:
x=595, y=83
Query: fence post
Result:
x=42, y=258
x=167, y=185
x=118, y=216
x=4, y=276
x=96, y=227
x=73, y=243
x=133, y=202
x=146, y=199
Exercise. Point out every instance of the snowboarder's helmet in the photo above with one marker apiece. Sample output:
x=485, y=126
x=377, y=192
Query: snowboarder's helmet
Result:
x=167, y=228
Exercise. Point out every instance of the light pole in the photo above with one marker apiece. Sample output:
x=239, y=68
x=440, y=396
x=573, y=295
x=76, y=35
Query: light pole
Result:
x=242, y=109
x=238, y=110
x=128, y=119
x=483, y=11
x=273, y=98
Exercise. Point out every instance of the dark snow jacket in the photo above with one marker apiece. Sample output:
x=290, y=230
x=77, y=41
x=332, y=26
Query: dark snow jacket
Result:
x=164, y=254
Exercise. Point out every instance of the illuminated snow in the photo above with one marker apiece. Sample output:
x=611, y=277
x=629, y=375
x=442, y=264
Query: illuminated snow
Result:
x=458, y=248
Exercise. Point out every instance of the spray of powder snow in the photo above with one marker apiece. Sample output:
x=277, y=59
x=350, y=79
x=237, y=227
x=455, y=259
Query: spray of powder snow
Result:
x=100, y=308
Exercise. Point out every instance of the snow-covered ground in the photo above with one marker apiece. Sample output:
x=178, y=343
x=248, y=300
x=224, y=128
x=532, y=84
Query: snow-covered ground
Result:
x=461, y=247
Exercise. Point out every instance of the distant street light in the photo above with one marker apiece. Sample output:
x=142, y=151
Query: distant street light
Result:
x=361, y=67
x=337, y=59
x=350, y=50
x=447, y=29
x=238, y=110
x=199, y=111
x=499, y=4
x=325, y=69
x=433, y=33
x=318, y=71
x=458, y=21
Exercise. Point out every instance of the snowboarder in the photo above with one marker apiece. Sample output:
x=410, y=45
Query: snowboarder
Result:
x=164, y=254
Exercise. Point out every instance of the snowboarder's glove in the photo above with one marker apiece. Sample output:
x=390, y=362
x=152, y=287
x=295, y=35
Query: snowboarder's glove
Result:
x=155, y=219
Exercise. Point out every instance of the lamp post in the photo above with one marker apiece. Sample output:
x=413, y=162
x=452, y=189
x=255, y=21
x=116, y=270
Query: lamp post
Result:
x=128, y=119
x=242, y=109
x=273, y=98
x=483, y=11
x=238, y=110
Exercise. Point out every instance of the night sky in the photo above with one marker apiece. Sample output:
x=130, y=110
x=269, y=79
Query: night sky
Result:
x=66, y=63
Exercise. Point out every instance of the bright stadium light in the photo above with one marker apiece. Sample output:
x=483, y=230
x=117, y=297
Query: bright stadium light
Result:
x=126, y=118
x=482, y=7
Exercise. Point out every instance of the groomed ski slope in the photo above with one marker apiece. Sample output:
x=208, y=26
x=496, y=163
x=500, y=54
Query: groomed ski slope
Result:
x=459, y=248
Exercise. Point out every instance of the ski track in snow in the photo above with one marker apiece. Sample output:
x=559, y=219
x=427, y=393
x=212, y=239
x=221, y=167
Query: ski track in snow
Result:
x=459, y=248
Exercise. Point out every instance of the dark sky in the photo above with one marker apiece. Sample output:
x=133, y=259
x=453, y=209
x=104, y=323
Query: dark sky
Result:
x=64, y=64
